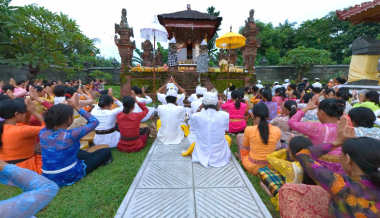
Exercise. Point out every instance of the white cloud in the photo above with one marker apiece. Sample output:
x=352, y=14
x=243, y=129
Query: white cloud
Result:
x=97, y=18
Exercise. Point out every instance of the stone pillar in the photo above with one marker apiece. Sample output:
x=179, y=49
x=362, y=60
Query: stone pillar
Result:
x=122, y=40
x=252, y=43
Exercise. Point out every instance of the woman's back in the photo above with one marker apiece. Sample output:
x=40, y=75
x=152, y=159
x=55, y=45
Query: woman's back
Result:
x=259, y=150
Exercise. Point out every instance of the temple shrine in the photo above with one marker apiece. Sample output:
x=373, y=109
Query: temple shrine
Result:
x=189, y=28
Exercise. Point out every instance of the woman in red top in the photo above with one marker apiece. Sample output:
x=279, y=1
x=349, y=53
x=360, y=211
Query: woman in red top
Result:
x=132, y=138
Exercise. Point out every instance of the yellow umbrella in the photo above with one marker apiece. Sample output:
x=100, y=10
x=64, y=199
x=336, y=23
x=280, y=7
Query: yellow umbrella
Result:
x=230, y=41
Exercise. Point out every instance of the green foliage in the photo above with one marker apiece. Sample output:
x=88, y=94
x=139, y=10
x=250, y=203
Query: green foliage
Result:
x=101, y=75
x=272, y=54
x=304, y=58
x=35, y=37
x=212, y=50
x=347, y=60
x=164, y=52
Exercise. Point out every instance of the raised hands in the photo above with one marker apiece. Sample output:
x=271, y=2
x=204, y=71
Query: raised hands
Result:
x=344, y=131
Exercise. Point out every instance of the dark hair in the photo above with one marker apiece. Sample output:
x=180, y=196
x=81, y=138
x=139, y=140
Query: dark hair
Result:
x=365, y=152
x=281, y=92
x=293, y=86
x=362, y=116
x=232, y=88
x=210, y=106
x=332, y=107
x=328, y=91
x=39, y=88
x=69, y=91
x=104, y=92
x=59, y=91
x=255, y=88
x=291, y=106
x=267, y=94
x=105, y=100
x=237, y=95
x=372, y=96
x=298, y=143
x=20, y=82
x=137, y=90
x=340, y=80
x=58, y=115
x=261, y=110
x=7, y=87
x=343, y=93
x=316, y=89
x=128, y=104
x=171, y=99
x=307, y=97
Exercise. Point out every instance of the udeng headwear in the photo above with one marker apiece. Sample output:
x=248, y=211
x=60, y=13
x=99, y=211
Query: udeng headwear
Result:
x=171, y=92
x=200, y=90
x=171, y=86
x=210, y=98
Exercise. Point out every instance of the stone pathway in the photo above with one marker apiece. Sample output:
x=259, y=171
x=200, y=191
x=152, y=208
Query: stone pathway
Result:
x=169, y=185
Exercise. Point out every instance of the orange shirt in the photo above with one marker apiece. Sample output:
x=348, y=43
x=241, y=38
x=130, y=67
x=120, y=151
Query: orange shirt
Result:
x=19, y=141
x=259, y=150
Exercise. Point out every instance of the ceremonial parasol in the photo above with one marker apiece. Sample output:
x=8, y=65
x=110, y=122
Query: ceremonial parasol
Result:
x=230, y=40
x=154, y=32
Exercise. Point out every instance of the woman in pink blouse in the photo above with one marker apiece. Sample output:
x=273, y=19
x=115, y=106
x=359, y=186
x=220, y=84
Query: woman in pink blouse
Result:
x=237, y=111
x=325, y=131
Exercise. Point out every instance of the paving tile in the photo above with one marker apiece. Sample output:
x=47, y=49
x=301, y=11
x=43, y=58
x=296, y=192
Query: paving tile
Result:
x=167, y=174
x=226, y=176
x=169, y=152
x=161, y=203
x=225, y=202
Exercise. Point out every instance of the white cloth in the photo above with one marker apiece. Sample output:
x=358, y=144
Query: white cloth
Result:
x=210, y=98
x=195, y=105
x=285, y=85
x=162, y=98
x=192, y=98
x=259, y=85
x=274, y=89
x=59, y=100
x=137, y=109
x=171, y=116
x=317, y=85
x=207, y=130
x=227, y=93
x=107, y=120
x=348, y=107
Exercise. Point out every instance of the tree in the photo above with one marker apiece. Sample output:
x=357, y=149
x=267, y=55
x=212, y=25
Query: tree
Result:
x=304, y=59
x=212, y=51
x=38, y=39
x=101, y=75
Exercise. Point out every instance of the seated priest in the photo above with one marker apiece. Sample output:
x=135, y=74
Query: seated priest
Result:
x=171, y=85
x=171, y=118
x=208, y=128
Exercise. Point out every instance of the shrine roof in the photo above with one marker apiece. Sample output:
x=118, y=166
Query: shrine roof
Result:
x=365, y=12
x=188, y=15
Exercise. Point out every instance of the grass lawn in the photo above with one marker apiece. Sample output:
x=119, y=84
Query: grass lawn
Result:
x=100, y=193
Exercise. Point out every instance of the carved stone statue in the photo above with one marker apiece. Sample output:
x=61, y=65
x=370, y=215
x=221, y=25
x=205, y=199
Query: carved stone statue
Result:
x=158, y=58
x=124, y=22
x=147, y=55
x=123, y=33
x=250, y=49
x=232, y=56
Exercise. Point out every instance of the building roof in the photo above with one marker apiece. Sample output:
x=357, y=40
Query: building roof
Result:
x=188, y=15
x=365, y=12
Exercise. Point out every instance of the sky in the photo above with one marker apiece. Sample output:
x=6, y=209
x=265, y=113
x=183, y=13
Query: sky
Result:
x=97, y=18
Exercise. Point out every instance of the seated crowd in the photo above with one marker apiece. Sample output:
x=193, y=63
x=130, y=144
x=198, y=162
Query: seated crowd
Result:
x=315, y=148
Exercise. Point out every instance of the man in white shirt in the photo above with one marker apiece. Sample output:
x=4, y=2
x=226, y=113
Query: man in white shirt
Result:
x=193, y=96
x=259, y=85
x=317, y=83
x=171, y=85
x=172, y=117
x=207, y=129
x=142, y=98
x=228, y=92
x=199, y=91
x=286, y=84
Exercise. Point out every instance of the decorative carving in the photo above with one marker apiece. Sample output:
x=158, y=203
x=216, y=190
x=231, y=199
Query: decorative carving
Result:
x=158, y=58
x=123, y=33
x=250, y=50
x=147, y=55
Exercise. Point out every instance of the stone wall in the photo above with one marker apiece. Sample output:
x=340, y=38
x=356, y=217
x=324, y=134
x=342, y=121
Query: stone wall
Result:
x=267, y=74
